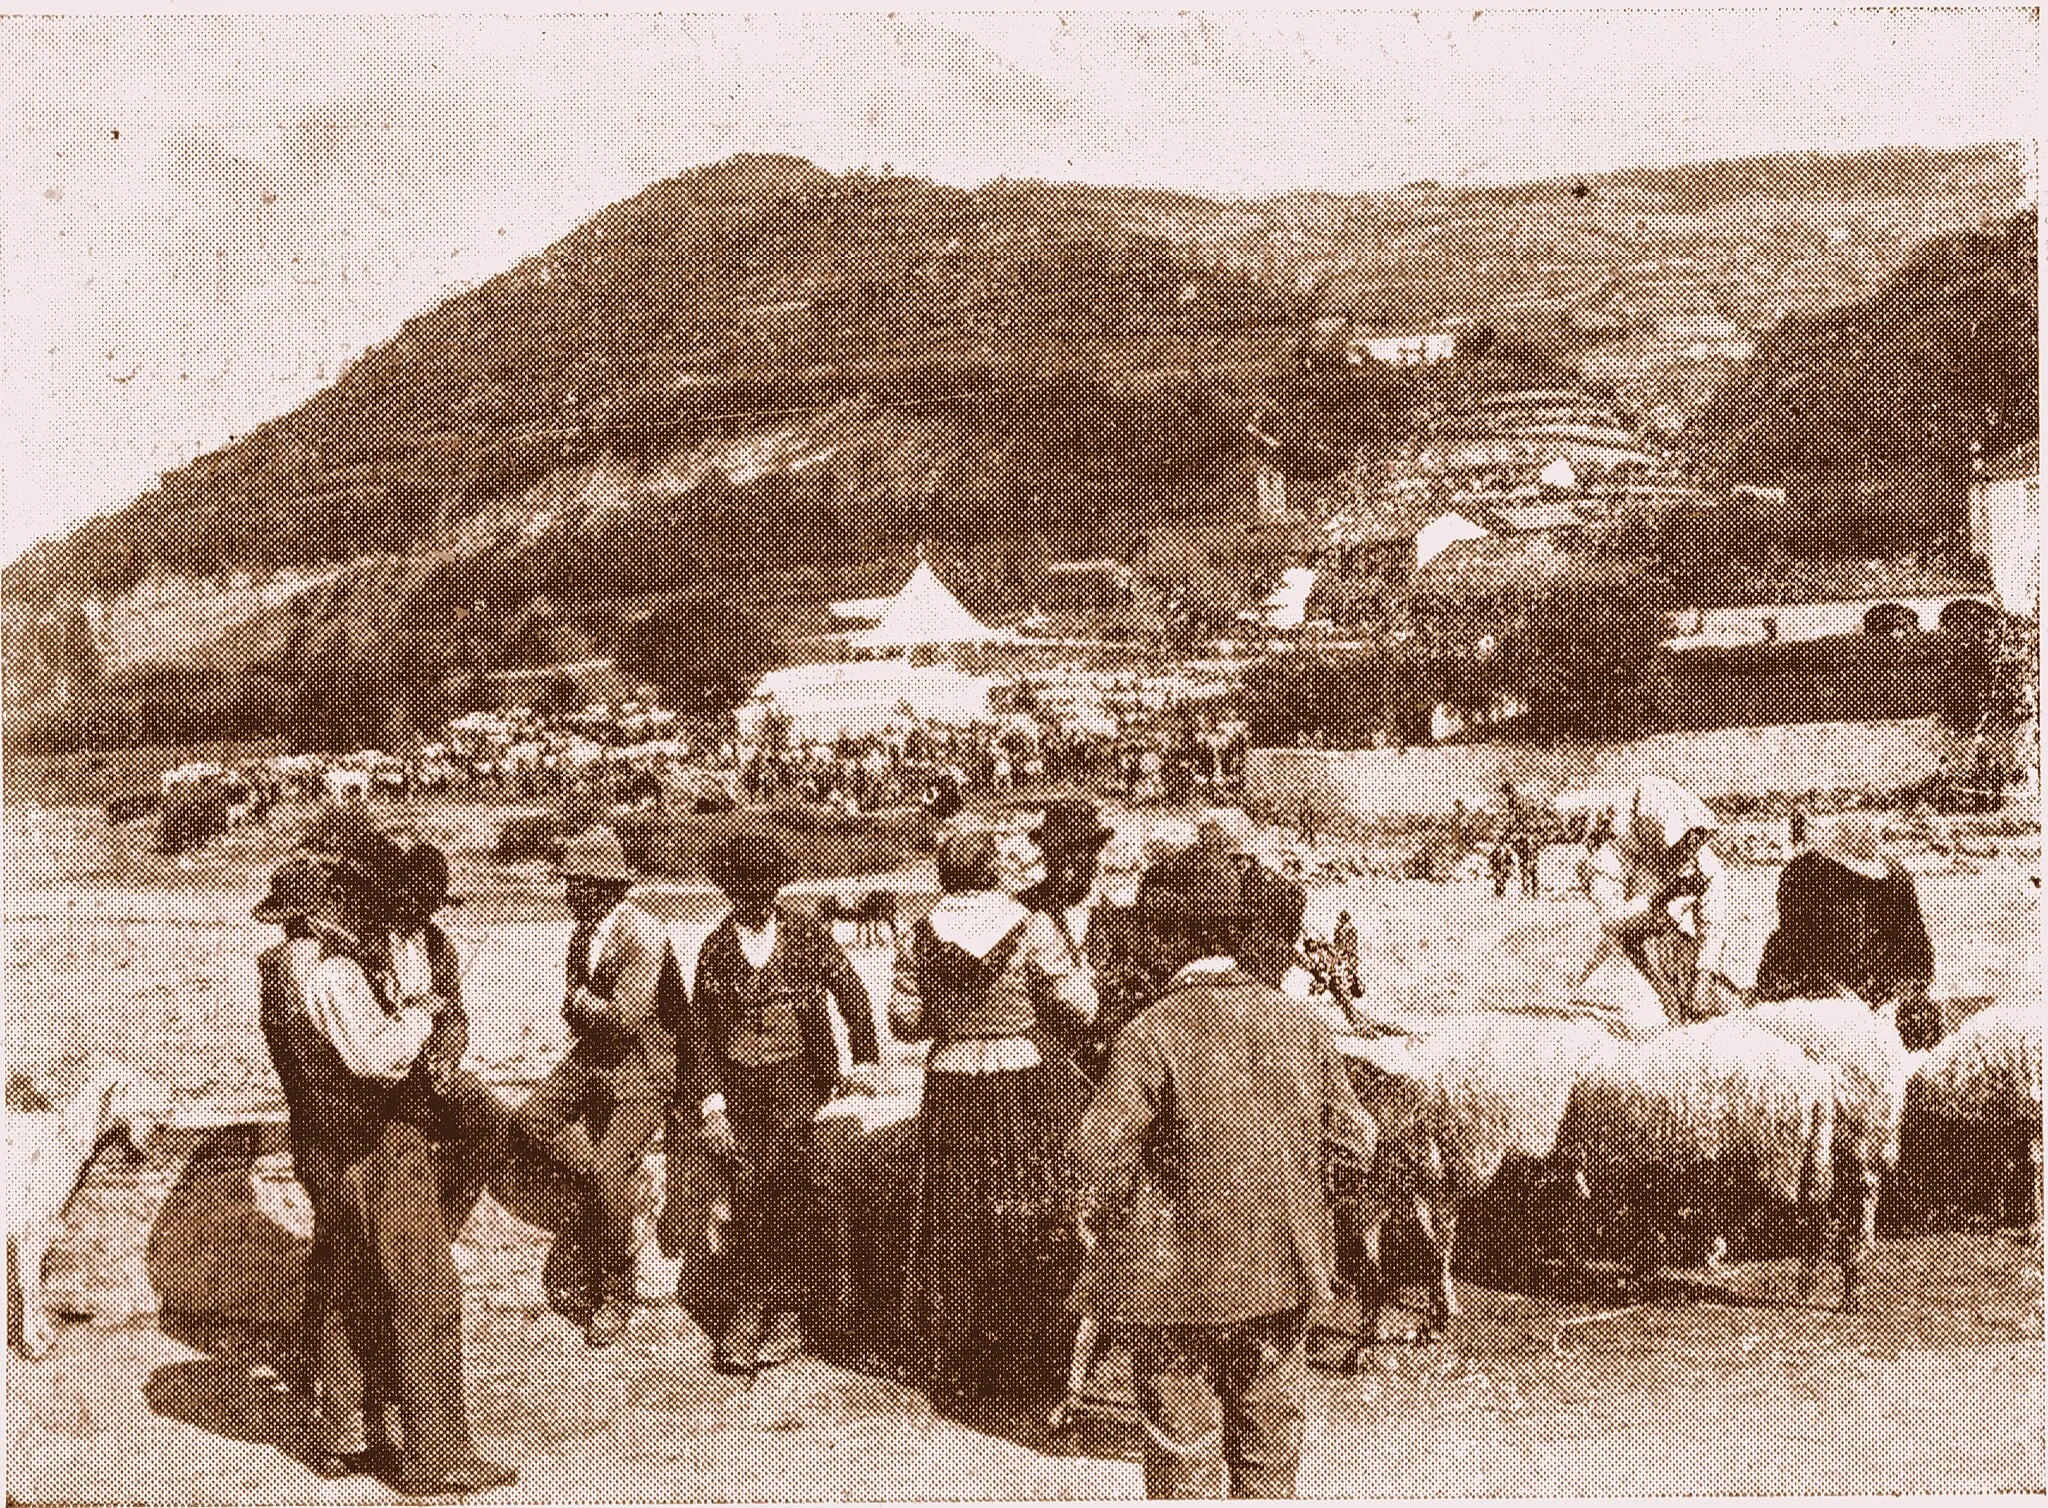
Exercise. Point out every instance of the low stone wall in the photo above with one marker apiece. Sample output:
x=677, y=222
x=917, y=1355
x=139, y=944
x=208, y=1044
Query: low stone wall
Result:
x=1757, y=762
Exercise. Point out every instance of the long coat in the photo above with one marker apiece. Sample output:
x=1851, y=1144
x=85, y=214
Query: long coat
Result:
x=1209, y=1145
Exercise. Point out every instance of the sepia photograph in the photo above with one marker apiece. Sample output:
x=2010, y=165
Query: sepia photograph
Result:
x=988, y=756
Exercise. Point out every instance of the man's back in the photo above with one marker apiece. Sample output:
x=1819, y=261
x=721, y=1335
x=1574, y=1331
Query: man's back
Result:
x=1233, y=1091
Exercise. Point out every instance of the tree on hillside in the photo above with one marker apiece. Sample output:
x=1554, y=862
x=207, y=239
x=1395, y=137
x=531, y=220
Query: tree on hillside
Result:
x=1585, y=654
x=705, y=654
x=1867, y=411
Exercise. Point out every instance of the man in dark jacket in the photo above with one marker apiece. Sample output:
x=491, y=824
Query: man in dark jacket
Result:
x=600, y=1108
x=760, y=1060
x=370, y=1061
x=1205, y=1158
x=324, y=1369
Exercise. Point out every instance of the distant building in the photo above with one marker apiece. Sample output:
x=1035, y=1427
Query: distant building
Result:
x=2005, y=524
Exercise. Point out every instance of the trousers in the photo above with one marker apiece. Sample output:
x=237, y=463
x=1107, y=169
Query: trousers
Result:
x=1222, y=1406
x=401, y=1296
x=599, y=1123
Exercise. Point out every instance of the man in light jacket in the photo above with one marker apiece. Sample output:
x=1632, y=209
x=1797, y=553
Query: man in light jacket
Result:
x=600, y=1108
x=1204, y=1165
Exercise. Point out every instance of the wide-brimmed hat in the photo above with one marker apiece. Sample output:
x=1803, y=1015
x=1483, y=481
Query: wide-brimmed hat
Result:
x=598, y=856
x=753, y=858
x=298, y=888
x=1199, y=885
x=1856, y=843
x=426, y=877
x=969, y=858
x=1068, y=825
x=362, y=853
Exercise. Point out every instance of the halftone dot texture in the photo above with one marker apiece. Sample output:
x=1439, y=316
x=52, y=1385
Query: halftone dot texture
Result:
x=1478, y=442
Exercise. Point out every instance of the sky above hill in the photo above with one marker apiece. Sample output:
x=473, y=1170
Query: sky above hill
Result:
x=206, y=220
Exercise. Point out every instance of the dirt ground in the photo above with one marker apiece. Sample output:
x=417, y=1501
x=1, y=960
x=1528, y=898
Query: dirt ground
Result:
x=1726, y=1386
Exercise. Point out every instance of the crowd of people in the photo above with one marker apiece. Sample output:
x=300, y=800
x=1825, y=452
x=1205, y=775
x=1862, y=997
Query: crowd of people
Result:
x=1125, y=1118
x=1032, y=1134
x=912, y=760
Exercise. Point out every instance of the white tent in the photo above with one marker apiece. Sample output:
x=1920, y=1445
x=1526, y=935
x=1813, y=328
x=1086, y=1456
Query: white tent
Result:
x=1287, y=604
x=864, y=696
x=925, y=612
x=1559, y=474
x=1440, y=533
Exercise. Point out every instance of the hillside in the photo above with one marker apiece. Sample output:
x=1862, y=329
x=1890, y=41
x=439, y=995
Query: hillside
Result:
x=768, y=383
x=1944, y=353
x=767, y=283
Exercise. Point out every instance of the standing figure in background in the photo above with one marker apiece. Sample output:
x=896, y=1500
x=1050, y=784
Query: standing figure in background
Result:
x=598, y=1111
x=1661, y=895
x=1071, y=836
x=984, y=979
x=1849, y=920
x=371, y=1064
x=760, y=1059
x=1520, y=826
x=1344, y=943
x=1203, y=1170
x=323, y=1368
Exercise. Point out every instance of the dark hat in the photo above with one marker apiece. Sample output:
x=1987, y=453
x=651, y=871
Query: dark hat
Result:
x=1069, y=825
x=753, y=858
x=1199, y=885
x=426, y=877
x=969, y=858
x=596, y=855
x=365, y=855
x=298, y=888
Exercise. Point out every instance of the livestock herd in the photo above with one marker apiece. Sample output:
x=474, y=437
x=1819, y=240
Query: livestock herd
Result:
x=1804, y=1107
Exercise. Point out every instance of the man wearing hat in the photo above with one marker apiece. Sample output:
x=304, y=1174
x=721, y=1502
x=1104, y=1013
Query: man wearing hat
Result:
x=1849, y=919
x=473, y=1119
x=598, y=1111
x=760, y=1059
x=1223, y=1118
x=368, y=1060
x=1071, y=836
x=325, y=1367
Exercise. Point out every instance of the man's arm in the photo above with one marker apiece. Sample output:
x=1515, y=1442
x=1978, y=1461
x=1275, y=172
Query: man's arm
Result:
x=371, y=1042
x=906, y=996
x=1105, y=1145
x=638, y=949
x=1906, y=965
x=445, y=963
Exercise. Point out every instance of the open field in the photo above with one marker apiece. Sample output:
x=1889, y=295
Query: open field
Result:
x=1726, y=1386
